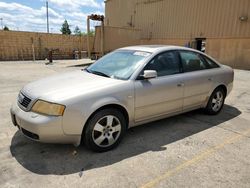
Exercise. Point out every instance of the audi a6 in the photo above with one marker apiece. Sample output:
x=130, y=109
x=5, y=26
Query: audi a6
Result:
x=125, y=88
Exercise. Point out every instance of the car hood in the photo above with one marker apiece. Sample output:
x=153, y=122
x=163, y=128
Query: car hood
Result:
x=67, y=85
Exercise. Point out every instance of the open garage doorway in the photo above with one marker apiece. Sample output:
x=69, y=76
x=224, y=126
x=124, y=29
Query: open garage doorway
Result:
x=201, y=44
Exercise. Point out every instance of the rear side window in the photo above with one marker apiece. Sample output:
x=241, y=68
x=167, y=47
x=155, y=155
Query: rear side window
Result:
x=210, y=63
x=164, y=64
x=192, y=61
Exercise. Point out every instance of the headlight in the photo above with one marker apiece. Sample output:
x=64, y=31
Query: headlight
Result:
x=48, y=108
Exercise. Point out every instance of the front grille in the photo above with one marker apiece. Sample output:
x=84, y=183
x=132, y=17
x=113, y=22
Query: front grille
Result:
x=24, y=100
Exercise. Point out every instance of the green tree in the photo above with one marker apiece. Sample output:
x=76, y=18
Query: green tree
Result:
x=65, y=28
x=77, y=31
x=91, y=33
x=6, y=28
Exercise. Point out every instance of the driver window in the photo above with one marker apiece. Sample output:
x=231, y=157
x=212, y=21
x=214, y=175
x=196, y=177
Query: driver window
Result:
x=166, y=63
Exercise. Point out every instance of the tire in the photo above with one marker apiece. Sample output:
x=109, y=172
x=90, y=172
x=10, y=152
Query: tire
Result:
x=105, y=130
x=216, y=101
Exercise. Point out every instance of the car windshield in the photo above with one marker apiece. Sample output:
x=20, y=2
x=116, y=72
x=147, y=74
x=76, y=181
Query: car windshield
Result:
x=119, y=64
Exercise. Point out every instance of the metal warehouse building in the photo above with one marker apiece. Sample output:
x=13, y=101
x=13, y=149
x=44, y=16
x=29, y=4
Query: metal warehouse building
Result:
x=222, y=27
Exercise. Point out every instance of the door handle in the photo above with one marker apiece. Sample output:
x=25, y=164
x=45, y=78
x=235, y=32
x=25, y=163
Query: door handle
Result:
x=180, y=85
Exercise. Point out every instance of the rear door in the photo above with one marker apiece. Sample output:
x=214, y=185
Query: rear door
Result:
x=197, y=79
x=162, y=95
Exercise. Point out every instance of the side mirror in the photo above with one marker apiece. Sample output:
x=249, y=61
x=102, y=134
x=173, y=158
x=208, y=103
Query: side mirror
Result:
x=149, y=74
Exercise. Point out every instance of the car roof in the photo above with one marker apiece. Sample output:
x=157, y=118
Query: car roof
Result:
x=155, y=48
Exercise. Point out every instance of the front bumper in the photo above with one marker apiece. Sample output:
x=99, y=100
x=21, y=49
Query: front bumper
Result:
x=41, y=128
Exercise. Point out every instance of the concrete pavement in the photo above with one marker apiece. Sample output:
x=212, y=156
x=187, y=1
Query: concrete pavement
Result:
x=189, y=150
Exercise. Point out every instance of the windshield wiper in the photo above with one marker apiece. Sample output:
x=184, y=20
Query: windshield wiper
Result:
x=87, y=70
x=98, y=73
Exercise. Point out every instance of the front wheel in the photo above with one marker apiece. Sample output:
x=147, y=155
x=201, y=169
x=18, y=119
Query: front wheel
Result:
x=104, y=130
x=216, y=102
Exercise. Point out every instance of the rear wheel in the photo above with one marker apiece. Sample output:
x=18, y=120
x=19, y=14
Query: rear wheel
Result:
x=104, y=130
x=216, y=101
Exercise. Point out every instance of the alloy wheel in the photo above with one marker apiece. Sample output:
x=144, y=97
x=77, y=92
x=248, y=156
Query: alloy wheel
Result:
x=106, y=131
x=217, y=101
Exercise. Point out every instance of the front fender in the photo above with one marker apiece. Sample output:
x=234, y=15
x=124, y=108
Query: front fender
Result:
x=80, y=109
x=76, y=117
x=103, y=102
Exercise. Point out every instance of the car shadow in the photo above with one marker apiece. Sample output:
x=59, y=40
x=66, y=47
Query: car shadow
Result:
x=66, y=159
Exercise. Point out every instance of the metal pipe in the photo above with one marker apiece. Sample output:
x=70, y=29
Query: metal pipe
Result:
x=102, y=39
x=88, y=38
x=33, y=49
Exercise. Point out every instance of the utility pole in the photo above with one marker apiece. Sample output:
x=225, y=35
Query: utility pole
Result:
x=1, y=22
x=47, y=11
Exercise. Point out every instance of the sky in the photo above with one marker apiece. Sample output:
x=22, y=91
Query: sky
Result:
x=30, y=15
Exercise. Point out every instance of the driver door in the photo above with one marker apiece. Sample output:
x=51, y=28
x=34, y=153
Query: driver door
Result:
x=161, y=95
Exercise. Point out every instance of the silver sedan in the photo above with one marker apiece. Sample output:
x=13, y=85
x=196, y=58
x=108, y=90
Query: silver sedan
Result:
x=125, y=88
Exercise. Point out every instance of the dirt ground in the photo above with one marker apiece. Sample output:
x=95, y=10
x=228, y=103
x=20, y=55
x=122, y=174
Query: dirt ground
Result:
x=189, y=150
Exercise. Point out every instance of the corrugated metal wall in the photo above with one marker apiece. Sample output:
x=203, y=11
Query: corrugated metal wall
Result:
x=181, y=19
x=115, y=37
x=118, y=13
